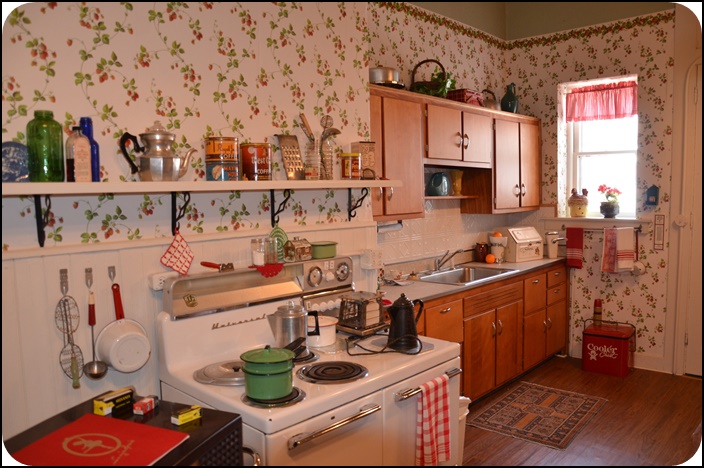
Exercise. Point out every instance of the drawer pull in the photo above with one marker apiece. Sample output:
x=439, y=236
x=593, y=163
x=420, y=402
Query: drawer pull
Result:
x=557, y=273
x=493, y=329
x=549, y=324
x=444, y=311
x=536, y=281
x=501, y=327
x=545, y=327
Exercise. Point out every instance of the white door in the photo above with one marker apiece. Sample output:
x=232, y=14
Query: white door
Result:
x=693, y=343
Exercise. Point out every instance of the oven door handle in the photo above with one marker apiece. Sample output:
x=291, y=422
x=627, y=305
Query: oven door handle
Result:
x=300, y=439
x=406, y=394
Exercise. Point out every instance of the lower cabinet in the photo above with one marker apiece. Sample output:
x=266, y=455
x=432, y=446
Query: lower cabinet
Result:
x=545, y=322
x=493, y=337
x=443, y=320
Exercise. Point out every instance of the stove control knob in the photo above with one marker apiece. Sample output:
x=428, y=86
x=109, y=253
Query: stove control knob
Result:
x=315, y=276
x=342, y=272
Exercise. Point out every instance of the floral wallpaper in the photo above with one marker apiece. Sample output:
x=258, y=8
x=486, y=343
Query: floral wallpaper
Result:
x=248, y=69
x=244, y=70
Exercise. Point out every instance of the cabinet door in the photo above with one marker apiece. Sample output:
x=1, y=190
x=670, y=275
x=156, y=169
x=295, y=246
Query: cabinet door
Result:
x=557, y=328
x=534, y=331
x=478, y=143
x=444, y=133
x=509, y=342
x=530, y=164
x=376, y=131
x=479, y=354
x=402, y=157
x=445, y=321
x=507, y=165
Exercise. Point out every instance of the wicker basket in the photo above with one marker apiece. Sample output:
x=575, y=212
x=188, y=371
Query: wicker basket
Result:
x=435, y=88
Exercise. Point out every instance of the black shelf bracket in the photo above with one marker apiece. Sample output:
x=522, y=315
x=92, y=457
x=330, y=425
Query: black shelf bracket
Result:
x=177, y=214
x=41, y=219
x=352, y=209
x=282, y=206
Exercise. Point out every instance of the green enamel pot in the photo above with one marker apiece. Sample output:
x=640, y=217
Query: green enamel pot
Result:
x=268, y=373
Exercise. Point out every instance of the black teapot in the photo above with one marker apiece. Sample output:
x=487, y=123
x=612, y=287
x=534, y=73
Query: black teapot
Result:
x=403, y=335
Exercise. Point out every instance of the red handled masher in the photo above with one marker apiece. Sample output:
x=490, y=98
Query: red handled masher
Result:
x=219, y=266
x=94, y=369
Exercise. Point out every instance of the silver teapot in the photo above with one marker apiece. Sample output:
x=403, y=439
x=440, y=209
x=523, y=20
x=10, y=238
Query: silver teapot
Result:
x=289, y=323
x=159, y=161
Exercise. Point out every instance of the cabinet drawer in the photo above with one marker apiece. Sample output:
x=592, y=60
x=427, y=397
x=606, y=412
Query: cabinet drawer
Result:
x=557, y=293
x=557, y=276
x=534, y=289
x=492, y=299
x=445, y=321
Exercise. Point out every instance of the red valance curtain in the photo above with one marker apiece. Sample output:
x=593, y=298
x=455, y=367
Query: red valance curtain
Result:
x=603, y=102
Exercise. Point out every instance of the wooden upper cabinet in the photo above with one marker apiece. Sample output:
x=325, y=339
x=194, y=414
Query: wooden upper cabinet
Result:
x=397, y=128
x=461, y=136
x=518, y=166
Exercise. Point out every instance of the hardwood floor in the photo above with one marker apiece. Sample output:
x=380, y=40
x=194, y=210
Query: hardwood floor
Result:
x=651, y=418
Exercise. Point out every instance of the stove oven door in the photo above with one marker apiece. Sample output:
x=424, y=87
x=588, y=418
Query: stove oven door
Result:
x=400, y=416
x=348, y=435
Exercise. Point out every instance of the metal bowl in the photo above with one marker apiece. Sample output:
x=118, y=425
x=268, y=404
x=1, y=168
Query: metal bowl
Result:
x=384, y=75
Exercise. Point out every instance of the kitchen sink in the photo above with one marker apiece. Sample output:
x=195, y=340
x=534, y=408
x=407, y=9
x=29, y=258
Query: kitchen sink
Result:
x=466, y=275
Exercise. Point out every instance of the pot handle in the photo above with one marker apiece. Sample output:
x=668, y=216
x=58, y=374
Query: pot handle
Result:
x=119, y=311
x=138, y=149
x=420, y=311
x=316, y=332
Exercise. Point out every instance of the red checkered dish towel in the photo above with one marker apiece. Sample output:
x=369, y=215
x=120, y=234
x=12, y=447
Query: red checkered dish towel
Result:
x=433, y=423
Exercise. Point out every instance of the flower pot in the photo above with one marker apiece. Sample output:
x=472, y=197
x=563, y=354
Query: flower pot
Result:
x=609, y=210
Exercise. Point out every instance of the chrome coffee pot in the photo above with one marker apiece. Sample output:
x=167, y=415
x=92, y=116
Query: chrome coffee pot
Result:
x=403, y=335
x=288, y=323
x=159, y=161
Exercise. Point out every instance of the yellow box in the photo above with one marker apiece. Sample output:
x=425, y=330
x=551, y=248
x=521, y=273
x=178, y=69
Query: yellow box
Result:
x=186, y=415
x=114, y=402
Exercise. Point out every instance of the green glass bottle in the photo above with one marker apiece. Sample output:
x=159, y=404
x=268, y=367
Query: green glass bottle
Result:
x=45, y=148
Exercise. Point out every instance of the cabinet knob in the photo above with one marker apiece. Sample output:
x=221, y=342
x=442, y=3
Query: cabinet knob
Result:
x=493, y=329
x=501, y=327
x=390, y=194
x=466, y=141
x=523, y=189
x=545, y=327
x=461, y=140
x=517, y=191
x=549, y=324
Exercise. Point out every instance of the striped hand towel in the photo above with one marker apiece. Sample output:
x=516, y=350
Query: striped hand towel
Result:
x=575, y=246
x=433, y=422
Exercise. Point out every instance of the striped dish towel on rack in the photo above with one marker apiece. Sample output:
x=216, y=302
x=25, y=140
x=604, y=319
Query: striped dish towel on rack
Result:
x=575, y=246
x=618, y=254
x=433, y=422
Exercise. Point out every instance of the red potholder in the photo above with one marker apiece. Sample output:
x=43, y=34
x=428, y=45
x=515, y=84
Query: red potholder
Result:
x=178, y=256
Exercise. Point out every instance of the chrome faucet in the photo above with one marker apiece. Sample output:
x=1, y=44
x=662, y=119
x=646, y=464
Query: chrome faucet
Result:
x=446, y=257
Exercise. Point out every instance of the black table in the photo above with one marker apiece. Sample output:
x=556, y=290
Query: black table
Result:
x=214, y=440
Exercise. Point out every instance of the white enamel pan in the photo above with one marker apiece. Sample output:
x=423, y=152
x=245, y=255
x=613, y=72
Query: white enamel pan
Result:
x=123, y=344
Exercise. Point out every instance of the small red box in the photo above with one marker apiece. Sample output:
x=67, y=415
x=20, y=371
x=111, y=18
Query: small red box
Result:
x=608, y=348
x=467, y=96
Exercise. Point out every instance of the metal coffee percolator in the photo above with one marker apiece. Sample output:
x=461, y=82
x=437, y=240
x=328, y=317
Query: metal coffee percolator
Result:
x=289, y=323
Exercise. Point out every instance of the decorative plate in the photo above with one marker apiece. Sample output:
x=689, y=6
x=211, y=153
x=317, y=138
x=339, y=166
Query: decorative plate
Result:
x=281, y=238
x=14, y=162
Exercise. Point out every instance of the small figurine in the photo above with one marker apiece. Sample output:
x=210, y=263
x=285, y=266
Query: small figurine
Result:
x=578, y=204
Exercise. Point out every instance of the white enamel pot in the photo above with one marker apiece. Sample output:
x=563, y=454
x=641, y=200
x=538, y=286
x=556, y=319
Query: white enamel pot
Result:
x=123, y=344
x=328, y=331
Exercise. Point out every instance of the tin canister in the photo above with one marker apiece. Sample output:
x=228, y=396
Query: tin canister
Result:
x=256, y=161
x=222, y=159
x=351, y=165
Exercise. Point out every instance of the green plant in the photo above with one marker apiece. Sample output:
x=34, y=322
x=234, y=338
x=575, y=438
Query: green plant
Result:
x=440, y=83
x=611, y=194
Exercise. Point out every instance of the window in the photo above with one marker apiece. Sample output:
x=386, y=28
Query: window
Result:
x=602, y=141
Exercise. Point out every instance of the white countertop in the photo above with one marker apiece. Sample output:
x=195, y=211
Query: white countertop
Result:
x=427, y=291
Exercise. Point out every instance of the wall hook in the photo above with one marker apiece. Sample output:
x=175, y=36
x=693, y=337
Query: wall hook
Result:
x=282, y=206
x=350, y=208
x=176, y=217
x=42, y=220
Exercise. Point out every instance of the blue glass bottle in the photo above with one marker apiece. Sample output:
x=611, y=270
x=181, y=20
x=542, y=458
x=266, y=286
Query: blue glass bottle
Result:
x=87, y=129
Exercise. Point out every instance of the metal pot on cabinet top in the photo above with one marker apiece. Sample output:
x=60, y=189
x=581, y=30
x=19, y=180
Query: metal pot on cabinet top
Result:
x=159, y=162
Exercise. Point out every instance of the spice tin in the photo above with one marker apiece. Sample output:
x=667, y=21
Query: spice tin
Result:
x=222, y=159
x=297, y=250
x=351, y=165
x=366, y=149
x=256, y=161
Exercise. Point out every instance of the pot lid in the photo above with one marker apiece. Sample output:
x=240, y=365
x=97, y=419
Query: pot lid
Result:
x=268, y=355
x=158, y=131
x=290, y=309
x=323, y=243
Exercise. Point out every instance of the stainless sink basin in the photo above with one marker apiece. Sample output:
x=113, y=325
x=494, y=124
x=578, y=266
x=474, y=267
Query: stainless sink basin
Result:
x=466, y=275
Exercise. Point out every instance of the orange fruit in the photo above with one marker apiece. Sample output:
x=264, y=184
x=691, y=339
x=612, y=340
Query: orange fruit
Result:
x=497, y=234
x=490, y=258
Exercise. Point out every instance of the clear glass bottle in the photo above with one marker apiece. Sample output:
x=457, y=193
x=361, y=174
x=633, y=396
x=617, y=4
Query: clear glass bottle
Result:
x=258, y=252
x=78, y=157
x=326, y=164
x=45, y=148
x=87, y=129
x=271, y=251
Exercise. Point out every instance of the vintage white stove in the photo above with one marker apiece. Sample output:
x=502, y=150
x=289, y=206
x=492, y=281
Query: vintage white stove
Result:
x=209, y=320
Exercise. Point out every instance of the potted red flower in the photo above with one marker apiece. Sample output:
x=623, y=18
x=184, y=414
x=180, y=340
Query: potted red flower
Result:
x=609, y=208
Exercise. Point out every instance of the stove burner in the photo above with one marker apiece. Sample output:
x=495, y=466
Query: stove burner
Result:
x=222, y=373
x=302, y=359
x=294, y=397
x=332, y=372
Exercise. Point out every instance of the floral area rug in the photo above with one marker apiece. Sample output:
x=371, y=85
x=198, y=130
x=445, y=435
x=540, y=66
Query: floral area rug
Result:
x=544, y=415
